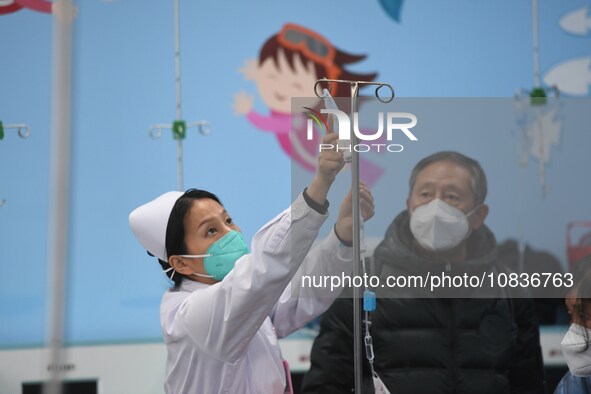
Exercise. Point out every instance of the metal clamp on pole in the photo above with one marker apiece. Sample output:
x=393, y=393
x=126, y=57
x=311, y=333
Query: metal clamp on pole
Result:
x=358, y=243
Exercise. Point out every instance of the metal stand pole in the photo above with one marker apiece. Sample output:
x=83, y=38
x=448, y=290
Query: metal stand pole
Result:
x=537, y=81
x=60, y=193
x=357, y=219
x=179, y=126
x=357, y=223
x=179, y=112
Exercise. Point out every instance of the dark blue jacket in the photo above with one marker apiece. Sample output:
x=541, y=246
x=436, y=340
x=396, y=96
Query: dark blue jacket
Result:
x=476, y=344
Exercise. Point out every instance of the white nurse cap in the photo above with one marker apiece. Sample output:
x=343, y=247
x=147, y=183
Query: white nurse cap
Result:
x=149, y=223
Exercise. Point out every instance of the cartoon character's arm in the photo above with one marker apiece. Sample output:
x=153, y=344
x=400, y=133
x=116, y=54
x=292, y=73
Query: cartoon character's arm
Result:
x=10, y=8
x=36, y=5
x=278, y=124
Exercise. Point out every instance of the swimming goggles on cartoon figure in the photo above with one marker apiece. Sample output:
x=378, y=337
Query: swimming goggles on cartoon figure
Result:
x=312, y=45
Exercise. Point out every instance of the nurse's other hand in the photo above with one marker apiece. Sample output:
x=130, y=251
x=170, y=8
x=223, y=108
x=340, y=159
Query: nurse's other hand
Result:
x=344, y=225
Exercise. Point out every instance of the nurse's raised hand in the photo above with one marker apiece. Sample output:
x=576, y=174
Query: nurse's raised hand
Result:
x=330, y=162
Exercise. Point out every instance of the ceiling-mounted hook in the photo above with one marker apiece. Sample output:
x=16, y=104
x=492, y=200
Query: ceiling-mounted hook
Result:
x=331, y=82
x=385, y=101
x=22, y=129
x=179, y=132
x=179, y=129
x=537, y=95
x=155, y=131
x=203, y=127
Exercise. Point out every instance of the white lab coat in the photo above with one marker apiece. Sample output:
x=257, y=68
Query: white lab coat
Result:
x=222, y=338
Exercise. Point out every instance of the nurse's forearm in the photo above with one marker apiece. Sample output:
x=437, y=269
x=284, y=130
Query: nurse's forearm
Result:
x=302, y=302
x=318, y=189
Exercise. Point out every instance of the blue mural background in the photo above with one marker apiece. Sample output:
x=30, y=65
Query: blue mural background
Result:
x=124, y=82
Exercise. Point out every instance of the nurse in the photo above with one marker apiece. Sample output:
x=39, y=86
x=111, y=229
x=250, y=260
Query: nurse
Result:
x=576, y=345
x=230, y=304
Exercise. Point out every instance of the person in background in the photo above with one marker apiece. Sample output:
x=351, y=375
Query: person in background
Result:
x=482, y=343
x=547, y=301
x=576, y=345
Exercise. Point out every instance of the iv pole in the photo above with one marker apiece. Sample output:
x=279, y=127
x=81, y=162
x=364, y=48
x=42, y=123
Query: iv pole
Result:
x=179, y=126
x=538, y=98
x=357, y=219
x=59, y=195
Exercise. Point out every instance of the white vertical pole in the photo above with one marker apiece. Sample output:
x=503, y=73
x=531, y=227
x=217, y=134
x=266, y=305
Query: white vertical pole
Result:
x=59, y=189
x=536, y=30
x=179, y=112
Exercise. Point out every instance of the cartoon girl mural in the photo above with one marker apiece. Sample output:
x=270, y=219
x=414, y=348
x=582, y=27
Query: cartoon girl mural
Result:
x=289, y=64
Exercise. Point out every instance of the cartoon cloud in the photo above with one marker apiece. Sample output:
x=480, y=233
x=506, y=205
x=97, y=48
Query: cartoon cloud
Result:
x=572, y=77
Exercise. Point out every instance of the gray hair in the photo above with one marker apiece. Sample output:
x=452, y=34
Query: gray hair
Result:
x=478, y=182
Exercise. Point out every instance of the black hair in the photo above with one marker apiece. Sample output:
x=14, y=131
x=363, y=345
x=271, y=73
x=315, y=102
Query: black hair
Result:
x=478, y=182
x=175, y=229
x=581, y=268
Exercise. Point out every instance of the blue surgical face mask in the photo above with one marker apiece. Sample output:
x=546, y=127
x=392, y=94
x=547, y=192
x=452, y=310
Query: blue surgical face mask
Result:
x=221, y=256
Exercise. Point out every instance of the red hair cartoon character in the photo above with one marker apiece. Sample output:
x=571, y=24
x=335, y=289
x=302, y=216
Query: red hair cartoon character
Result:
x=289, y=65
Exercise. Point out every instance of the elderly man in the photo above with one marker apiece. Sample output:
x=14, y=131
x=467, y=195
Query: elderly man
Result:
x=473, y=341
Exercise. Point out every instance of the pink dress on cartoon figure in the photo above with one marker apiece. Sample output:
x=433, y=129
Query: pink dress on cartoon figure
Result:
x=298, y=147
x=35, y=5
